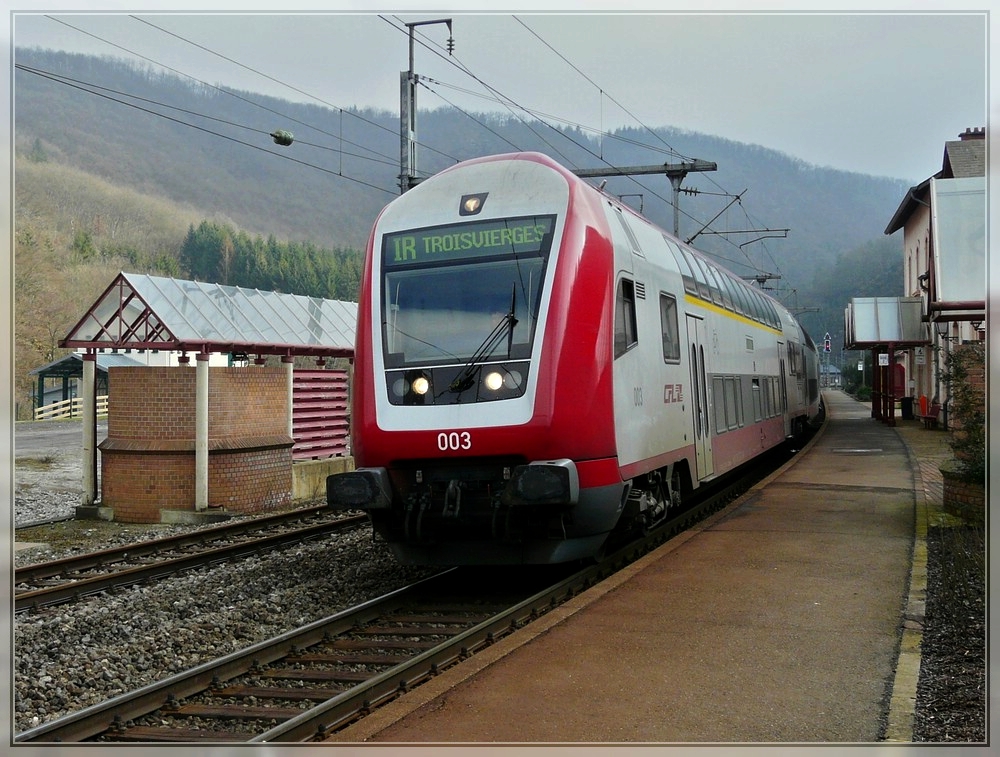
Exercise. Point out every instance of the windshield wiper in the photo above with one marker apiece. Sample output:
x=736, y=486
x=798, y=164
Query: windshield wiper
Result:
x=466, y=377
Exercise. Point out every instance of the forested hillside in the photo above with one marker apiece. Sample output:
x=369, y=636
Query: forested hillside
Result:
x=187, y=182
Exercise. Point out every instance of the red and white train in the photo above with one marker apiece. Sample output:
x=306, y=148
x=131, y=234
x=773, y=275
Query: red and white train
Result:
x=537, y=365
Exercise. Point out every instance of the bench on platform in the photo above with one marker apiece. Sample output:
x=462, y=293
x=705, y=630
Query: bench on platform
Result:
x=931, y=419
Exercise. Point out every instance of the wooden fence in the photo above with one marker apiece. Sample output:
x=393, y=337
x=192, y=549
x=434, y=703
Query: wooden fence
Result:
x=71, y=408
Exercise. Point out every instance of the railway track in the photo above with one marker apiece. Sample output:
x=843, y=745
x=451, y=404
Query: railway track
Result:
x=72, y=578
x=310, y=682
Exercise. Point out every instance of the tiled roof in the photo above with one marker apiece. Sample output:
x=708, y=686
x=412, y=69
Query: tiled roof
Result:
x=964, y=158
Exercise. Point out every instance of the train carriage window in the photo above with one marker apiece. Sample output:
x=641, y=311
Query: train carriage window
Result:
x=728, y=290
x=758, y=410
x=740, y=298
x=720, y=287
x=683, y=266
x=625, y=330
x=728, y=408
x=668, y=326
x=773, y=312
x=758, y=306
x=748, y=297
x=719, y=393
x=713, y=284
x=732, y=406
x=699, y=276
x=737, y=422
x=795, y=361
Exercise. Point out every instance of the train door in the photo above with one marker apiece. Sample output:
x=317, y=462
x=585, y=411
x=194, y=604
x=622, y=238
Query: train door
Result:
x=700, y=408
x=783, y=391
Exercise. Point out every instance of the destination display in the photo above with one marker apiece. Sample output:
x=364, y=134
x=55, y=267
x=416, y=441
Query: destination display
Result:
x=506, y=236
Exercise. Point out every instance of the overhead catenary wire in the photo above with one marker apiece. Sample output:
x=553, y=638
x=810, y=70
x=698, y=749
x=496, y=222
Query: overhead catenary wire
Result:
x=230, y=93
x=95, y=88
x=270, y=78
x=283, y=156
x=508, y=103
x=633, y=116
x=511, y=105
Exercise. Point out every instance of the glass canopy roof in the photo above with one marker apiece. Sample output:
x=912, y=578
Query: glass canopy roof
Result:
x=959, y=225
x=874, y=321
x=152, y=312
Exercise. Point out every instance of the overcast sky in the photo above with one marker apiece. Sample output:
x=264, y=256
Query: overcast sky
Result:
x=877, y=93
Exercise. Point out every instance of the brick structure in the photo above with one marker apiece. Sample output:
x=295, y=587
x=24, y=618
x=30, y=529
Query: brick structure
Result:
x=962, y=498
x=148, y=458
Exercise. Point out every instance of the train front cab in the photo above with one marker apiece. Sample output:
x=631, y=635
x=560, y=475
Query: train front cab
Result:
x=452, y=467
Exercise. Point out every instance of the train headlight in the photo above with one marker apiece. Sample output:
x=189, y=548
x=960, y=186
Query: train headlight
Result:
x=513, y=379
x=400, y=387
x=493, y=381
x=420, y=385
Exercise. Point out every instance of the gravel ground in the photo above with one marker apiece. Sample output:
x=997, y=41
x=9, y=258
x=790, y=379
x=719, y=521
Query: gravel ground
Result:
x=72, y=656
x=76, y=655
x=951, y=691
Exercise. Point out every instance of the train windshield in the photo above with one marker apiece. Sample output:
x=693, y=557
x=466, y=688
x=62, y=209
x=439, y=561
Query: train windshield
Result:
x=447, y=289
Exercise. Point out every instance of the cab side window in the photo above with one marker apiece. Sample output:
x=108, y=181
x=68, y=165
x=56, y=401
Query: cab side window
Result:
x=625, y=331
x=668, y=325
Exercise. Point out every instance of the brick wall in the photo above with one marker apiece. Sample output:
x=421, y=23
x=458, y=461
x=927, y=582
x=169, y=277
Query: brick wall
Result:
x=962, y=498
x=148, y=458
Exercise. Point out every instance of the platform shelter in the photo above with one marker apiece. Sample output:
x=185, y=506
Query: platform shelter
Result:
x=885, y=325
x=68, y=370
x=201, y=439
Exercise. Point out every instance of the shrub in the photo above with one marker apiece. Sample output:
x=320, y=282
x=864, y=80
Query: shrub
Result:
x=965, y=372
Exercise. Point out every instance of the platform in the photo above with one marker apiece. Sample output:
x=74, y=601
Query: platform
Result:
x=778, y=620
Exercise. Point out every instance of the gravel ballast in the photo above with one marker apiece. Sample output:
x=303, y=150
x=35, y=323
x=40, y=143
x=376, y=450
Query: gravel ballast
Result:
x=72, y=656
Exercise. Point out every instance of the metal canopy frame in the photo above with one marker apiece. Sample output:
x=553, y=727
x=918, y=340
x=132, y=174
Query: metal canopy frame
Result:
x=150, y=312
x=879, y=321
x=884, y=325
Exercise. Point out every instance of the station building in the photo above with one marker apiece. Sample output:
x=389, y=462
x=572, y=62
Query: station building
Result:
x=943, y=220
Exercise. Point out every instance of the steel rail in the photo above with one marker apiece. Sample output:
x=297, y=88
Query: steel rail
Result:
x=103, y=558
x=73, y=590
x=344, y=708
x=96, y=719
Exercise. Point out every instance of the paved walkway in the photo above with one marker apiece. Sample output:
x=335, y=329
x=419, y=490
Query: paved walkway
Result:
x=927, y=448
x=776, y=621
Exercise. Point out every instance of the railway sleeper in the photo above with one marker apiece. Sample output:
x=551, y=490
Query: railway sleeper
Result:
x=236, y=712
x=164, y=734
x=268, y=692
